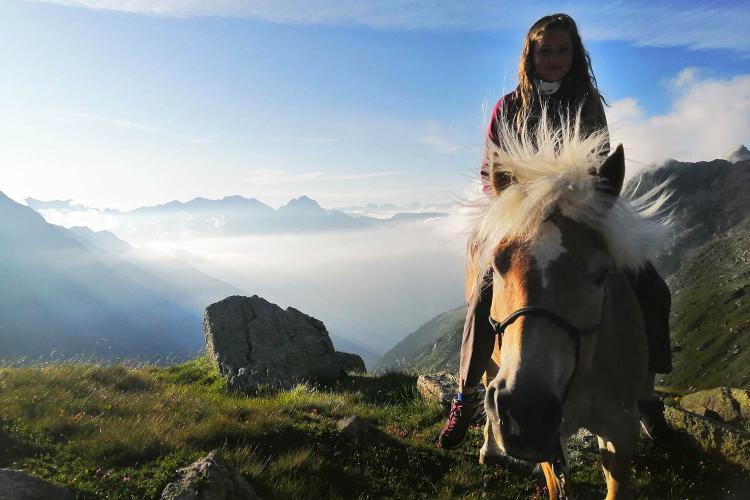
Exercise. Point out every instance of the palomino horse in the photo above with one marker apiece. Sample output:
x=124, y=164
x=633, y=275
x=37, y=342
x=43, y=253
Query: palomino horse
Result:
x=559, y=240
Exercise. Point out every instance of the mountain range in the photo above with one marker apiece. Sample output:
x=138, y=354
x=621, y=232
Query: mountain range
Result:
x=707, y=266
x=79, y=292
x=229, y=216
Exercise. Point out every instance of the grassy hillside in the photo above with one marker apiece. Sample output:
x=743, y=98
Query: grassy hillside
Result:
x=120, y=432
x=711, y=315
x=432, y=347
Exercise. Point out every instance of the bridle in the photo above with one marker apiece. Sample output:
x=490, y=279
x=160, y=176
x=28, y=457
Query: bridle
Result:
x=574, y=332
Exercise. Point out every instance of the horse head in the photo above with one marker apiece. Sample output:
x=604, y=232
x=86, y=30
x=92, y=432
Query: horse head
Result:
x=556, y=280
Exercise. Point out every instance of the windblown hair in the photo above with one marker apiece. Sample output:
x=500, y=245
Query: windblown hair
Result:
x=554, y=169
x=581, y=74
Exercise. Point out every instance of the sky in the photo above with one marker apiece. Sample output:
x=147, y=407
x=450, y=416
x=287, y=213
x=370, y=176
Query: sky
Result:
x=126, y=103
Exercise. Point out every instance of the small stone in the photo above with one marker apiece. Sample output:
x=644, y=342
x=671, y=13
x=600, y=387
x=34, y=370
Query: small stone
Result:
x=439, y=387
x=356, y=428
x=18, y=485
x=210, y=477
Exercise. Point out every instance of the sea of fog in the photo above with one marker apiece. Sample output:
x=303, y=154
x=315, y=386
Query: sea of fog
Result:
x=369, y=286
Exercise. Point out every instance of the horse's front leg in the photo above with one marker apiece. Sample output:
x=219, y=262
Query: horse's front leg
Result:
x=616, y=453
x=557, y=474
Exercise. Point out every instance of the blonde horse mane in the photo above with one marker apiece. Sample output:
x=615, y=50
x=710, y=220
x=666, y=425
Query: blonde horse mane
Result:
x=551, y=169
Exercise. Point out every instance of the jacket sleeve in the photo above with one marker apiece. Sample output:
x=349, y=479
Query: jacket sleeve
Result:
x=491, y=136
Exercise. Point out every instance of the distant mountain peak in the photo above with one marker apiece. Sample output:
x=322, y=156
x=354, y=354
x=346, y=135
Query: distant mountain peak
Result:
x=302, y=203
x=740, y=154
x=233, y=202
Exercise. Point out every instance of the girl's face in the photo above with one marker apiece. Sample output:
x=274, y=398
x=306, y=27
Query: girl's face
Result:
x=553, y=55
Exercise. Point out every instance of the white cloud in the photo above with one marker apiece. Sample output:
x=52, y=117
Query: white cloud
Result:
x=661, y=24
x=91, y=218
x=708, y=118
x=686, y=77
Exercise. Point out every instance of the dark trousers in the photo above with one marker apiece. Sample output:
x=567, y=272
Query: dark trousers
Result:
x=650, y=289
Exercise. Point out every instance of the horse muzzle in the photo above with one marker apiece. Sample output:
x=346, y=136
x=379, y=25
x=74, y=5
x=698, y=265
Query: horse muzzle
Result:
x=527, y=422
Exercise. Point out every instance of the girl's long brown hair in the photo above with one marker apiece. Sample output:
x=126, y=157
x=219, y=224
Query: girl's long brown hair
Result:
x=581, y=76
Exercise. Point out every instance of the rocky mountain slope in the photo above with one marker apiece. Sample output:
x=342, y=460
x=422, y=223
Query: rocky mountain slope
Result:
x=707, y=266
x=432, y=347
x=77, y=292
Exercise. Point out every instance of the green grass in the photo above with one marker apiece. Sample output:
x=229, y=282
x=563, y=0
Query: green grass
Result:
x=121, y=432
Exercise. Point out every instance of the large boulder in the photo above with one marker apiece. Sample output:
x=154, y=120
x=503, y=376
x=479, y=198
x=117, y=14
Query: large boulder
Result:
x=209, y=478
x=17, y=485
x=252, y=341
x=726, y=404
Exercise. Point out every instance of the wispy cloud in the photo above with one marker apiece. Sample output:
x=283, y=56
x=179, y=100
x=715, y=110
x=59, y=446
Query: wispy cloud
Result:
x=297, y=139
x=140, y=127
x=697, y=25
x=708, y=119
x=441, y=141
x=276, y=177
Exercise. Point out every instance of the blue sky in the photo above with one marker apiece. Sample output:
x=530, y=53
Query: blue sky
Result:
x=126, y=103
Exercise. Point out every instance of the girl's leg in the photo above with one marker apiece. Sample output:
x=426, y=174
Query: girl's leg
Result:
x=655, y=301
x=477, y=342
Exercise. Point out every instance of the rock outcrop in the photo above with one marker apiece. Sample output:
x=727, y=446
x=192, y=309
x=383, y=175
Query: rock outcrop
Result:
x=252, y=342
x=712, y=436
x=726, y=404
x=209, y=478
x=17, y=485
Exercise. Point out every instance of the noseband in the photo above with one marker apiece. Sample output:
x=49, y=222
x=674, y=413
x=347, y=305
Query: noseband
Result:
x=573, y=332
x=558, y=320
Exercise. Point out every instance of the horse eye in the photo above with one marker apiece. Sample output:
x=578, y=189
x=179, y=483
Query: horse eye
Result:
x=503, y=260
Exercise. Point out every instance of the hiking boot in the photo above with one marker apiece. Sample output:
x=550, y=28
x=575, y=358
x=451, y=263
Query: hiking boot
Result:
x=653, y=423
x=466, y=409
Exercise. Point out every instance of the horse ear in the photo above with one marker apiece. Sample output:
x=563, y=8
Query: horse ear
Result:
x=612, y=173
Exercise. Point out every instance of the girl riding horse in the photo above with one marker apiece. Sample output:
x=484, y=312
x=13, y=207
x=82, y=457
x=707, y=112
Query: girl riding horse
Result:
x=556, y=78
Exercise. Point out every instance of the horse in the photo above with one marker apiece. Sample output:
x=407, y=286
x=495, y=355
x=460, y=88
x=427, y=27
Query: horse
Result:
x=558, y=243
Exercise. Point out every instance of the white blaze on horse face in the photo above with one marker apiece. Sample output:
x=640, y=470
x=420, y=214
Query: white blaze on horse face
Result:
x=547, y=248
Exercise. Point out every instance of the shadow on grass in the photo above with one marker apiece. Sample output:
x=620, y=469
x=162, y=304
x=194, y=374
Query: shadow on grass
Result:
x=14, y=446
x=393, y=387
